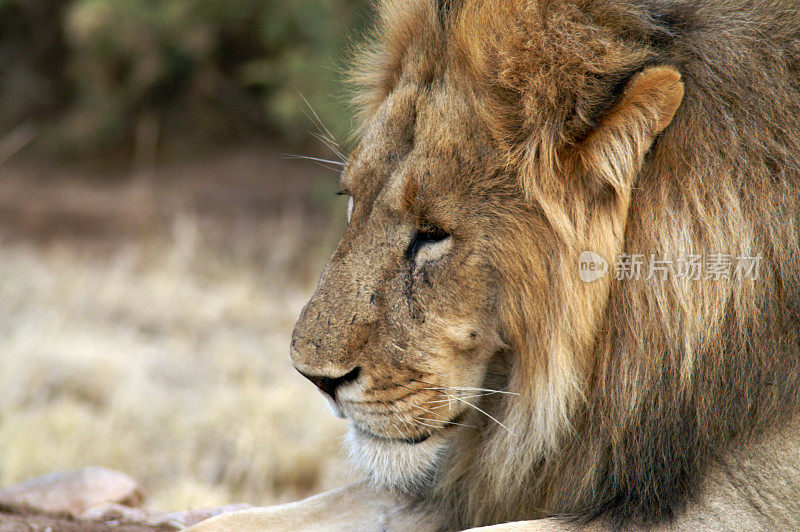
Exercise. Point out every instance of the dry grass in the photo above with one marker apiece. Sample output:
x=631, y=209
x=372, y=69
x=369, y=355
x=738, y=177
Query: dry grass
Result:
x=165, y=357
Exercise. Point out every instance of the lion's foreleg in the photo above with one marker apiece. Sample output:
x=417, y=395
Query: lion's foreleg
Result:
x=356, y=507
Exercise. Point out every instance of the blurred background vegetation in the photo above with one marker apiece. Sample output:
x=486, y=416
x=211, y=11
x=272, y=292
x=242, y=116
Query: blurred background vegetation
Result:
x=156, y=244
x=91, y=75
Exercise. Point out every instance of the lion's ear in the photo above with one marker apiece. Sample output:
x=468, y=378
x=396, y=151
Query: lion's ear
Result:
x=613, y=152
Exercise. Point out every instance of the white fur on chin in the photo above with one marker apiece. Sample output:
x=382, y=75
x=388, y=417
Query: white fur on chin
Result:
x=395, y=464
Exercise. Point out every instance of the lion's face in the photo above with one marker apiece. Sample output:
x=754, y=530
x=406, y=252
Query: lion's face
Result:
x=453, y=304
x=404, y=322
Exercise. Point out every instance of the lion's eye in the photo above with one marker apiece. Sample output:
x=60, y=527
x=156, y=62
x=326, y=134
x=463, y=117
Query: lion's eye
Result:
x=426, y=239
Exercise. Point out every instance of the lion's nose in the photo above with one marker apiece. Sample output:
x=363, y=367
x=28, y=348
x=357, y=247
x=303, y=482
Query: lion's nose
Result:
x=329, y=385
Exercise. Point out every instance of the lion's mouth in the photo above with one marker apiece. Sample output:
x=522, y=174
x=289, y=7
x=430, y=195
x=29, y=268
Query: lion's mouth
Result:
x=453, y=423
x=411, y=441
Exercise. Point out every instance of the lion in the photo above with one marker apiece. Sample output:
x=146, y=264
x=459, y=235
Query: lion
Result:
x=485, y=381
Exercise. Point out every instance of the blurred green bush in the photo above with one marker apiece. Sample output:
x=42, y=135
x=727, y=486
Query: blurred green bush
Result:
x=98, y=74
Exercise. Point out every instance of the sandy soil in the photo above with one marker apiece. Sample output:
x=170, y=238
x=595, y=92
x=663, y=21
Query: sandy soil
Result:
x=145, y=320
x=11, y=521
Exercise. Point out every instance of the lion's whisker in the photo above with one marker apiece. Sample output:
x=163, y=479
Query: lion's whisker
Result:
x=318, y=121
x=324, y=135
x=482, y=412
x=428, y=427
x=464, y=397
x=318, y=163
x=397, y=428
x=490, y=391
x=461, y=388
x=308, y=157
x=403, y=422
x=431, y=426
x=425, y=409
x=447, y=422
x=331, y=144
x=457, y=389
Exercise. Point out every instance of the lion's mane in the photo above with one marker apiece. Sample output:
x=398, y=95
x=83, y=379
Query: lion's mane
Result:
x=676, y=372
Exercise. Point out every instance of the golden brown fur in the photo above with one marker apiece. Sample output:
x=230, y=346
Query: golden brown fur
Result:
x=498, y=140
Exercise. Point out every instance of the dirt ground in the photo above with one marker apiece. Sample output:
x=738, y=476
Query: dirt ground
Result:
x=145, y=317
x=11, y=521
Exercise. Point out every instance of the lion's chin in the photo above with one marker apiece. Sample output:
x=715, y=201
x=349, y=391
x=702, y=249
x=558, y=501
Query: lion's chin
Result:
x=396, y=464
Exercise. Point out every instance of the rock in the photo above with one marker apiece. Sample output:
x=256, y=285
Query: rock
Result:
x=91, y=499
x=73, y=492
x=117, y=513
x=108, y=512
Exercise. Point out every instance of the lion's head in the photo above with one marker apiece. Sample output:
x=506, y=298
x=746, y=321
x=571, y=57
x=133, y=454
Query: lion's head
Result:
x=498, y=141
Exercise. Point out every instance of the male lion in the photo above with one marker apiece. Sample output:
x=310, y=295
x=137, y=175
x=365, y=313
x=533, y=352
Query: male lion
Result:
x=486, y=382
